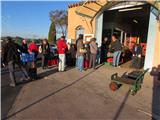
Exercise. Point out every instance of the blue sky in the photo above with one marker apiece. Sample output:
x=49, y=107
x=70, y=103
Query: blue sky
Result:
x=28, y=18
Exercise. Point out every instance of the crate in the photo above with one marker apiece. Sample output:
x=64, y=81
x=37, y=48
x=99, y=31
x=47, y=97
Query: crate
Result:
x=110, y=59
x=52, y=62
x=107, y=63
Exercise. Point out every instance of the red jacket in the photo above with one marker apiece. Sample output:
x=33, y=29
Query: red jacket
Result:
x=62, y=46
x=33, y=47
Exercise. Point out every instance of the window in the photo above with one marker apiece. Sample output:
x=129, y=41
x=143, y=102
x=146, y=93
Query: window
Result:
x=79, y=30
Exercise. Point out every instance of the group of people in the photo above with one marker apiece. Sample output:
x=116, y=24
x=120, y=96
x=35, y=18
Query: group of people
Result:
x=80, y=53
x=12, y=56
x=86, y=52
x=114, y=49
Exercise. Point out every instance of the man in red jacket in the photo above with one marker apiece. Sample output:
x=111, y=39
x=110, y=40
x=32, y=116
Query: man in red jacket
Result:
x=62, y=47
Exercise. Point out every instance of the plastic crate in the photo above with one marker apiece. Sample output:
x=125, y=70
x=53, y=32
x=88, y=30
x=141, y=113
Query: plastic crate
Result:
x=52, y=62
x=107, y=63
x=110, y=60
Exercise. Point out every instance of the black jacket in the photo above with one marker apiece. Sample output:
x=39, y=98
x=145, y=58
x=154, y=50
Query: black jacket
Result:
x=137, y=50
x=115, y=46
x=24, y=48
x=45, y=49
x=10, y=52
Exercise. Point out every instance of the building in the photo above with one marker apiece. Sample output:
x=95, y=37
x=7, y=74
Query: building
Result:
x=130, y=20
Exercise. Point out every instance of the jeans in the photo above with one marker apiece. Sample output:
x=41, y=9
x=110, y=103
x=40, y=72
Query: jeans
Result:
x=11, y=67
x=80, y=60
x=92, y=62
x=116, y=58
x=62, y=60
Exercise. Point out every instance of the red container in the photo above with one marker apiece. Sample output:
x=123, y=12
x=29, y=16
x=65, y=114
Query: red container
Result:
x=49, y=63
x=56, y=61
x=86, y=64
x=53, y=62
x=110, y=60
x=122, y=60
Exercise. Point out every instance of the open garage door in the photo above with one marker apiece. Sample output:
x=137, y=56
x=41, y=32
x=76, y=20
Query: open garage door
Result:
x=133, y=24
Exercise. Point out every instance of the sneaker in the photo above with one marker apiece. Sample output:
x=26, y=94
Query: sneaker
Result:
x=12, y=84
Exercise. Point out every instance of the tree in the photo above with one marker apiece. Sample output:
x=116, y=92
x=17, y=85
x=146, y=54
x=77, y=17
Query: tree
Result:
x=60, y=18
x=18, y=40
x=52, y=33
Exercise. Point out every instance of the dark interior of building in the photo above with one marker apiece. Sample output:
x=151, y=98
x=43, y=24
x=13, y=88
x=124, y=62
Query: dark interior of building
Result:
x=133, y=21
x=127, y=23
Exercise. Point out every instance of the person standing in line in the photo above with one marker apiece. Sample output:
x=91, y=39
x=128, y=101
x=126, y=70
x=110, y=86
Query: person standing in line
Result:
x=11, y=57
x=103, y=50
x=62, y=48
x=32, y=66
x=45, y=50
x=33, y=48
x=116, y=47
x=80, y=53
x=93, y=51
x=24, y=49
x=68, y=55
x=79, y=37
x=24, y=46
x=73, y=54
x=137, y=56
x=87, y=57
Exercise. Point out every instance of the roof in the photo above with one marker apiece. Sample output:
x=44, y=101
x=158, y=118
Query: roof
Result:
x=80, y=3
x=155, y=3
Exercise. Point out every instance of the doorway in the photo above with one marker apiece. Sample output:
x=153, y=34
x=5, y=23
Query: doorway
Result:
x=131, y=25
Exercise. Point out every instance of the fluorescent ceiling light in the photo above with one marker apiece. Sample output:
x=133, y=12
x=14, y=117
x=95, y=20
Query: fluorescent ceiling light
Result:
x=135, y=21
x=130, y=9
x=120, y=7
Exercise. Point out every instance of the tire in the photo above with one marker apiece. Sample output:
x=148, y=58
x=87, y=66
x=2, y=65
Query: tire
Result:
x=133, y=92
x=113, y=86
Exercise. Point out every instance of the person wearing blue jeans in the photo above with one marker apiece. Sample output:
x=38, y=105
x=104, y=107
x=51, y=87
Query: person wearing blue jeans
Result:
x=116, y=48
x=80, y=53
x=80, y=61
x=116, y=58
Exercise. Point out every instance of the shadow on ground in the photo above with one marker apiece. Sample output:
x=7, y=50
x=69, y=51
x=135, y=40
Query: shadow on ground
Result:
x=47, y=96
x=9, y=94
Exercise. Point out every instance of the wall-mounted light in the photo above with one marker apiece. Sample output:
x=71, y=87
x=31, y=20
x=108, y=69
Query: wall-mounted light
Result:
x=130, y=9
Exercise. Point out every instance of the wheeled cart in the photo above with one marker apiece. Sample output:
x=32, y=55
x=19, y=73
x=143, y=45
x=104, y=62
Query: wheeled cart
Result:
x=134, y=79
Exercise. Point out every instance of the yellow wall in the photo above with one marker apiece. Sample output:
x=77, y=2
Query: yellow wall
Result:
x=75, y=20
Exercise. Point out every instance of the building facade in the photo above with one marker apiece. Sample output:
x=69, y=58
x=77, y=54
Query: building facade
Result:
x=97, y=18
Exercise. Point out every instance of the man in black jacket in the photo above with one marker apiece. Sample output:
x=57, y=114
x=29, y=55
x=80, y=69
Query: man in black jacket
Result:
x=45, y=50
x=137, y=56
x=116, y=47
x=11, y=57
